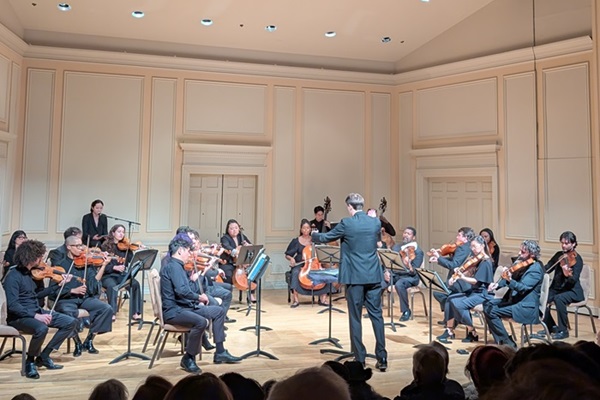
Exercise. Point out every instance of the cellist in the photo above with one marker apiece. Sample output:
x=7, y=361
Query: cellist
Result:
x=299, y=263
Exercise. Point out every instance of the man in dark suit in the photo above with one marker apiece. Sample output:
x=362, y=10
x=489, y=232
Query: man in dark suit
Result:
x=361, y=272
x=522, y=300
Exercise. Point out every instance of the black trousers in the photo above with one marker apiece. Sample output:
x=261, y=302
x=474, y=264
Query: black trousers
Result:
x=110, y=281
x=561, y=300
x=197, y=320
x=368, y=295
x=223, y=291
x=38, y=330
x=100, y=312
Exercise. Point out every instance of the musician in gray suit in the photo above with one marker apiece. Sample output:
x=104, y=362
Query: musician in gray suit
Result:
x=361, y=272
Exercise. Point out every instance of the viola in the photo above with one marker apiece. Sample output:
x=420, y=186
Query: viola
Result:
x=200, y=263
x=94, y=260
x=517, y=266
x=125, y=244
x=568, y=258
x=491, y=246
x=445, y=250
x=310, y=263
x=468, y=265
x=408, y=252
x=43, y=271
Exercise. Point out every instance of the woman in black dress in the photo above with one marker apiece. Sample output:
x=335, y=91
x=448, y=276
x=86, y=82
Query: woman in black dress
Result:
x=94, y=225
x=294, y=254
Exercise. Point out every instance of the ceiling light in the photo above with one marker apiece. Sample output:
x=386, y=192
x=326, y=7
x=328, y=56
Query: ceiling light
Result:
x=386, y=39
x=64, y=7
x=270, y=28
x=330, y=34
x=207, y=22
x=137, y=14
x=425, y=1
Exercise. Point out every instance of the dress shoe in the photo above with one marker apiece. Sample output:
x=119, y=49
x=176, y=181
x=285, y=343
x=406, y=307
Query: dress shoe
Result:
x=229, y=320
x=31, y=371
x=405, y=316
x=322, y=303
x=78, y=349
x=442, y=322
x=206, y=345
x=470, y=338
x=560, y=335
x=47, y=362
x=444, y=337
x=225, y=358
x=381, y=364
x=80, y=325
x=189, y=365
x=294, y=304
x=89, y=346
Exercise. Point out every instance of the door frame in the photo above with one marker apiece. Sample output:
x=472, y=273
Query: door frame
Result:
x=214, y=159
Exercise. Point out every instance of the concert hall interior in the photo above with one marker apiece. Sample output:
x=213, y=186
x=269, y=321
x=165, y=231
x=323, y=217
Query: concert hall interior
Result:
x=478, y=113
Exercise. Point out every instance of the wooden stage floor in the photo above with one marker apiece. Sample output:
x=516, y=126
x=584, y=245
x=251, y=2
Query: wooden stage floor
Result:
x=292, y=330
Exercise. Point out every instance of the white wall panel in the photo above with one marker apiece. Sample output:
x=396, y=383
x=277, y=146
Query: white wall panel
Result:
x=333, y=153
x=380, y=147
x=406, y=173
x=36, y=152
x=457, y=110
x=162, y=155
x=567, y=112
x=520, y=157
x=100, y=147
x=5, y=85
x=284, y=140
x=215, y=107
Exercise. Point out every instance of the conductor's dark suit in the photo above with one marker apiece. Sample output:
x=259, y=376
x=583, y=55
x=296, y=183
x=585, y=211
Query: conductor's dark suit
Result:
x=361, y=272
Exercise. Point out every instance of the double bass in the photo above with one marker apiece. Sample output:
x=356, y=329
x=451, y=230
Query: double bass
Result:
x=310, y=263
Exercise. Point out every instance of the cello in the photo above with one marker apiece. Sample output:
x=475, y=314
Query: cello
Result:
x=310, y=263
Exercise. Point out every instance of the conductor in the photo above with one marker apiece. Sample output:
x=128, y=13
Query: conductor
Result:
x=361, y=272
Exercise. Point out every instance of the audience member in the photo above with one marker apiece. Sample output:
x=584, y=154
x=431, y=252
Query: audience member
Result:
x=23, y=396
x=154, y=388
x=112, y=389
x=242, y=388
x=486, y=368
x=267, y=386
x=205, y=386
x=311, y=383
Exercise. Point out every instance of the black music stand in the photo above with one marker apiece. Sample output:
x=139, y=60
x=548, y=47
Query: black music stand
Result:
x=432, y=280
x=255, y=274
x=142, y=260
x=392, y=260
x=247, y=255
x=329, y=255
x=146, y=266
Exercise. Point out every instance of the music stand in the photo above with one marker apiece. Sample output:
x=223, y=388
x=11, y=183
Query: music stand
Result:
x=327, y=254
x=392, y=260
x=432, y=280
x=151, y=253
x=255, y=274
x=247, y=255
x=142, y=259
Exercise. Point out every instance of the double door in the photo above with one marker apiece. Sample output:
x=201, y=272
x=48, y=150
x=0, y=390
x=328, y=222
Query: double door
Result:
x=215, y=199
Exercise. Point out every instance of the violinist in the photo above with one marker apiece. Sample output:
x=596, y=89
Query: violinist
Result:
x=56, y=255
x=565, y=287
x=25, y=313
x=412, y=257
x=463, y=250
x=83, y=292
x=116, y=271
x=477, y=271
x=185, y=307
x=493, y=248
x=522, y=300
x=319, y=222
x=294, y=255
x=95, y=224
x=232, y=241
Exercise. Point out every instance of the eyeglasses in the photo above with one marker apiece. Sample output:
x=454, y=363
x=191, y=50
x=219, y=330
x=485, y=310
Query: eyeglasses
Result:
x=79, y=246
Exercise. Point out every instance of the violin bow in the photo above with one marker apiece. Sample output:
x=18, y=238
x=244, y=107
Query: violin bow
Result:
x=61, y=287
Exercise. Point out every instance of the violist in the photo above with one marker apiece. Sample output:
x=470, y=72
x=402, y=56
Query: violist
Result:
x=294, y=255
x=232, y=241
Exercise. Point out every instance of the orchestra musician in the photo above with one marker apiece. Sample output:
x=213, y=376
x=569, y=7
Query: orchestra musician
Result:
x=294, y=255
x=231, y=242
x=412, y=257
x=522, y=300
x=463, y=250
x=565, y=287
x=56, y=255
x=477, y=271
x=361, y=272
x=83, y=292
x=95, y=225
x=116, y=271
x=493, y=248
x=319, y=222
x=15, y=241
x=25, y=313
x=183, y=306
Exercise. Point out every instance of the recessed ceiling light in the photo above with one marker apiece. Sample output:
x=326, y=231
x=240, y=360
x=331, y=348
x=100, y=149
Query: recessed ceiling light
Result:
x=207, y=22
x=425, y=1
x=137, y=14
x=330, y=34
x=64, y=7
x=270, y=28
x=386, y=39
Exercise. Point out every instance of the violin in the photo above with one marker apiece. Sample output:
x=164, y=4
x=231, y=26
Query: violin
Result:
x=125, y=244
x=568, y=258
x=491, y=246
x=94, y=260
x=43, y=271
x=408, y=252
x=468, y=265
x=445, y=250
x=201, y=262
x=515, y=267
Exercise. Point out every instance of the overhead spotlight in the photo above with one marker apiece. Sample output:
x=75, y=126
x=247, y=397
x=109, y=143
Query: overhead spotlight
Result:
x=330, y=34
x=207, y=22
x=270, y=28
x=137, y=14
x=386, y=39
x=64, y=7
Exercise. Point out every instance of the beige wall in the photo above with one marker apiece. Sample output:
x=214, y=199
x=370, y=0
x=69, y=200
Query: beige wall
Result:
x=131, y=130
